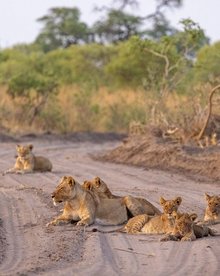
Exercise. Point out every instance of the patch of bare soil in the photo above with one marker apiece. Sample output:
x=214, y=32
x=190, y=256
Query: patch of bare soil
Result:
x=2, y=242
x=151, y=150
x=27, y=247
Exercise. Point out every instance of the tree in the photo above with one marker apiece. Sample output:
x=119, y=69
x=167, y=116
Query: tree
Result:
x=34, y=90
x=160, y=25
x=157, y=65
x=118, y=26
x=32, y=86
x=62, y=27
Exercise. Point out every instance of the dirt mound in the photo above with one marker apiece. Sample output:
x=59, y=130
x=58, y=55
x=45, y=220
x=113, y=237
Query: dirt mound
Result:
x=151, y=150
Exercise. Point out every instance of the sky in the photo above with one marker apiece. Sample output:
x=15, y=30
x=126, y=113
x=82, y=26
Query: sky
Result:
x=18, y=17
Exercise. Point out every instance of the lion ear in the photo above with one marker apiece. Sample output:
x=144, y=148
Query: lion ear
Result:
x=87, y=185
x=162, y=200
x=30, y=146
x=178, y=200
x=18, y=146
x=71, y=181
x=193, y=216
x=207, y=197
x=98, y=180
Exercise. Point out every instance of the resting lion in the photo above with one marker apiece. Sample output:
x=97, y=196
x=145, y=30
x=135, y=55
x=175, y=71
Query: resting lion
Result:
x=85, y=206
x=212, y=211
x=159, y=224
x=135, y=205
x=185, y=228
x=27, y=162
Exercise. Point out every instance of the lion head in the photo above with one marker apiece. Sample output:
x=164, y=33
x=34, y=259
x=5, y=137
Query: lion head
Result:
x=87, y=185
x=99, y=186
x=65, y=190
x=23, y=151
x=183, y=223
x=170, y=205
x=213, y=204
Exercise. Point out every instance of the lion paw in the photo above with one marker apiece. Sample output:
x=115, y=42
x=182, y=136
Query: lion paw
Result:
x=186, y=239
x=48, y=224
x=82, y=223
x=169, y=238
x=51, y=223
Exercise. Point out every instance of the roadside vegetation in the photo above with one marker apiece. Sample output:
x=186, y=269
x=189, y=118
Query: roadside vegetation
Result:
x=104, y=77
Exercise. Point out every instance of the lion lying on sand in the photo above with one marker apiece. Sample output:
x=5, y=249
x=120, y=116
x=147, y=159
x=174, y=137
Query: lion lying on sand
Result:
x=135, y=205
x=85, y=206
x=27, y=162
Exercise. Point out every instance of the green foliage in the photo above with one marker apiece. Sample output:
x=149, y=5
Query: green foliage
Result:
x=80, y=64
x=148, y=64
x=62, y=27
x=206, y=66
x=22, y=84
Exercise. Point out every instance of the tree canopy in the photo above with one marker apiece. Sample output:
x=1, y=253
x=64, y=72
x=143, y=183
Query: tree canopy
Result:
x=63, y=27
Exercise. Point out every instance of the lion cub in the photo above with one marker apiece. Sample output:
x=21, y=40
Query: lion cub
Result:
x=212, y=211
x=135, y=205
x=159, y=224
x=86, y=207
x=27, y=162
x=186, y=230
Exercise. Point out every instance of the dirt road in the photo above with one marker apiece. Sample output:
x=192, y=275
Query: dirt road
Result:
x=29, y=248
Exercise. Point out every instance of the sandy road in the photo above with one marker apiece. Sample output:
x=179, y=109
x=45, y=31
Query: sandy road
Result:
x=29, y=248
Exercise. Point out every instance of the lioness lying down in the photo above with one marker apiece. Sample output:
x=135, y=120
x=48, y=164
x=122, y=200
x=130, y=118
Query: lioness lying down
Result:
x=185, y=228
x=145, y=224
x=27, y=162
x=85, y=206
x=135, y=205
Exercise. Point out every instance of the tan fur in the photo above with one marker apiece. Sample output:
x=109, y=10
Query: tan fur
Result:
x=186, y=230
x=135, y=205
x=212, y=211
x=27, y=162
x=100, y=187
x=85, y=206
x=159, y=224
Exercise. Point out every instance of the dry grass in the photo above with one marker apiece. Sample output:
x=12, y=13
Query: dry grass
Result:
x=75, y=109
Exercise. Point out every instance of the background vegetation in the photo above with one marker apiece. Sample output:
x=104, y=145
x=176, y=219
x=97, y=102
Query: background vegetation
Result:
x=76, y=77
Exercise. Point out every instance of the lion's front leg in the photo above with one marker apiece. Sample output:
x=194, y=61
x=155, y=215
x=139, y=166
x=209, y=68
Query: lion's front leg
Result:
x=60, y=219
x=29, y=170
x=12, y=170
x=18, y=168
x=87, y=216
